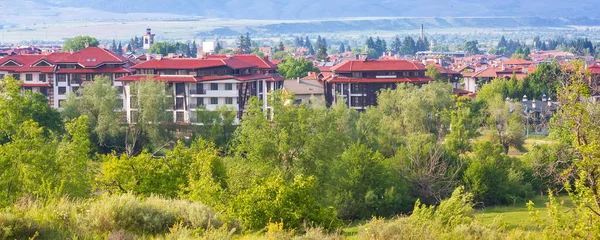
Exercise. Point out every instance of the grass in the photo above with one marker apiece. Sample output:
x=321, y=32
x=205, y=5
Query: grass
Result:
x=517, y=216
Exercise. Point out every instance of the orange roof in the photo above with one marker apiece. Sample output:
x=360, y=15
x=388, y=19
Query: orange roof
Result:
x=517, y=61
x=379, y=80
x=377, y=65
x=192, y=63
x=259, y=62
x=92, y=57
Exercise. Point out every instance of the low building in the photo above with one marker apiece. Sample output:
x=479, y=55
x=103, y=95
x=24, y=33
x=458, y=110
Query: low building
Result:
x=357, y=82
x=305, y=90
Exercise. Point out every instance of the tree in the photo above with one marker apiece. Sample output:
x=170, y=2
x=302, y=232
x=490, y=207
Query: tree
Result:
x=218, y=48
x=471, y=47
x=17, y=107
x=506, y=123
x=408, y=46
x=434, y=73
x=322, y=54
x=396, y=45
x=113, y=47
x=280, y=48
x=163, y=48
x=342, y=48
x=245, y=44
x=149, y=128
x=281, y=55
x=78, y=43
x=308, y=45
x=120, y=49
x=502, y=43
x=194, y=50
x=293, y=68
x=99, y=101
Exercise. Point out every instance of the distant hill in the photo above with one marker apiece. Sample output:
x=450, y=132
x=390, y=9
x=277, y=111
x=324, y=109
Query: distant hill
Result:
x=326, y=9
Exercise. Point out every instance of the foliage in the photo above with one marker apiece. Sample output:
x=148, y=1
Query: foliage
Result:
x=273, y=199
x=434, y=73
x=493, y=177
x=506, y=123
x=99, y=101
x=471, y=47
x=80, y=42
x=292, y=68
x=17, y=107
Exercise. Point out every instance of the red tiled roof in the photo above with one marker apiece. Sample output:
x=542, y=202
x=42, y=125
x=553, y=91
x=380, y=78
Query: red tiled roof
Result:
x=377, y=65
x=460, y=92
x=192, y=63
x=594, y=69
x=517, y=61
x=259, y=62
x=379, y=80
x=188, y=78
x=24, y=60
x=94, y=70
x=443, y=70
x=92, y=57
x=324, y=69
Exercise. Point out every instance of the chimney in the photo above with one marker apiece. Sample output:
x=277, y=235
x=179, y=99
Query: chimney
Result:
x=524, y=98
x=71, y=51
x=422, y=33
x=298, y=79
x=544, y=98
x=549, y=102
x=147, y=56
x=266, y=57
x=533, y=104
x=159, y=56
x=87, y=45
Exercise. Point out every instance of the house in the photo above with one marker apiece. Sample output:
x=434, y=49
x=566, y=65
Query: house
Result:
x=208, y=83
x=474, y=80
x=357, y=82
x=304, y=90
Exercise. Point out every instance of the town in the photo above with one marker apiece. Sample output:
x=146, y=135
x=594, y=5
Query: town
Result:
x=300, y=138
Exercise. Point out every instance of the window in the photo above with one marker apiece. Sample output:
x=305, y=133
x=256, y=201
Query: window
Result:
x=228, y=101
x=1, y=76
x=120, y=101
x=214, y=100
x=228, y=86
x=29, y=77
x=199, y=89
x=214, y=86
x=133, y=102
x=42, y=77
x=76, y=91
x=134, y=116
x=119, y=89
x=17, y=76
x=357, y=74
x=179, y=116
x=76, y=78
x=170, y=72
x=62, y=91
x=179, y=89
x=260, y=86
x=61, y=77
x=200, y=101
x=405, y=74
x=179, y=104
x=44, y=91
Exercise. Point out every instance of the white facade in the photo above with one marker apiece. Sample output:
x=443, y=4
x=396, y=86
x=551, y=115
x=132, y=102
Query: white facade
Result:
x=209, y=47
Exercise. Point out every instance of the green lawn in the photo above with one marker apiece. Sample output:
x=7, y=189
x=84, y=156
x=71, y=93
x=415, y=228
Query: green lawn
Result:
x=517, y=216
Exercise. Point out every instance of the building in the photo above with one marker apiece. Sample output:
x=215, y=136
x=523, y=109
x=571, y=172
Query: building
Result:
x=357, y=82
x=148, y=39
x=210, y=46
x=36, y=71
x=474, y=80
x=304, y=90
x=72, y=71
x=207, y=83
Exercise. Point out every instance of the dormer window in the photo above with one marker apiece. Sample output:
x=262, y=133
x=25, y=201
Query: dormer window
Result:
x=357, y=74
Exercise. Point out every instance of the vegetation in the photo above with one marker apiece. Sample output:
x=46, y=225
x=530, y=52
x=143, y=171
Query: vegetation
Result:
x=292, y=68
x=304, y=173
x=80, y=42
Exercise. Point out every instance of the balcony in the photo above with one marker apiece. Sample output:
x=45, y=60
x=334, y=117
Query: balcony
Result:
x=194, y=106
x=197, y=91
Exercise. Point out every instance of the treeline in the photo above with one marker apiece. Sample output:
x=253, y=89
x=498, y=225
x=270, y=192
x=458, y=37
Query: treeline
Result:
x=308, y=166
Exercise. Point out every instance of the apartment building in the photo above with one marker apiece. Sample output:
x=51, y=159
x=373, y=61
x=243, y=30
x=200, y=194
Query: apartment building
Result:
x=357, y=82
x=208, y=83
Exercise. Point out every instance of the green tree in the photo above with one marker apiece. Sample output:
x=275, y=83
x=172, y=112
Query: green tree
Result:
x=163, y=48
x=396, y=46
x=322, y=53
x=342, y=48
x=293, y=68
x=78, y=43
x=471, y=47
x=207, y=175
x=99, y=101
x=17, y=107
x=506, y=123
x=280, y=47
x=73, y=158
x=434, y=73
x=408, y=46
x=217, y=126
x=194, y=49
x=281, y=55
x=148, y=130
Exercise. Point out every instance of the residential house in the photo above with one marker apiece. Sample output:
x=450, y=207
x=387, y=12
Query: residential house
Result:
x=304, y=90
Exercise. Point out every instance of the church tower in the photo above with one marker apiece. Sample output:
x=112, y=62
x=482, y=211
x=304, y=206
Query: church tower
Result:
x=148, y=39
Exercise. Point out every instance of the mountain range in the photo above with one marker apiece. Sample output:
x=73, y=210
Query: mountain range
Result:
x=331, y=9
